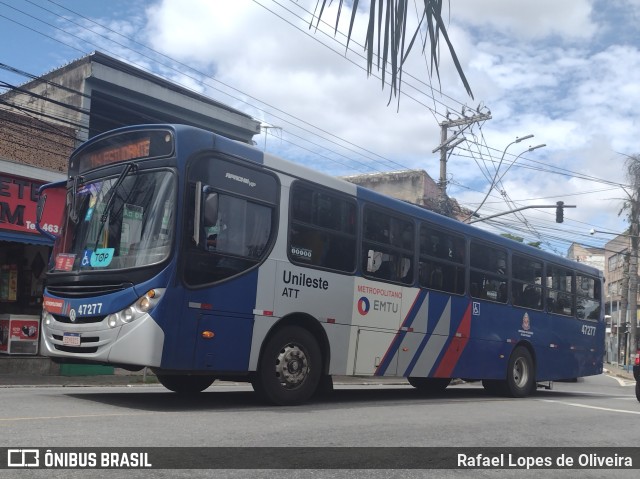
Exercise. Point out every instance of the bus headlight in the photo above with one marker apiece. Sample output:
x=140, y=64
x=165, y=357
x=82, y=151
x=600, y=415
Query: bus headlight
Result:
x=112, y=320
x=144, y=303
x=138, y=309
x=128, y=315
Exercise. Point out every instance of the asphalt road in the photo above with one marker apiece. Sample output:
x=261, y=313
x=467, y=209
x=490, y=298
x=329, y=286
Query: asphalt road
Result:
x=596, y=412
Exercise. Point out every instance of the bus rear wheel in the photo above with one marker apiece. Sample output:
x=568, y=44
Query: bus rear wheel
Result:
x=185, y=384
x=290, y=367
x=430, y=385
x=521, y=378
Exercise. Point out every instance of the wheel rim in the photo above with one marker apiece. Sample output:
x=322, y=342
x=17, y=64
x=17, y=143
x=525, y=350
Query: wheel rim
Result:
x=292, y=366
x=520, y=372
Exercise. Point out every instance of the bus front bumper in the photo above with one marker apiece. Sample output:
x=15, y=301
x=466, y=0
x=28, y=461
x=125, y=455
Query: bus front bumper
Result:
x=138, y=343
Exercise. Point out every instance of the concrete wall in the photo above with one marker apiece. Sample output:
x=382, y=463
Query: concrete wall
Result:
x=414, y=186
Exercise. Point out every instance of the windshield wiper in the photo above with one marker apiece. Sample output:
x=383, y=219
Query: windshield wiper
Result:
x=72, y=195
x=128, y=168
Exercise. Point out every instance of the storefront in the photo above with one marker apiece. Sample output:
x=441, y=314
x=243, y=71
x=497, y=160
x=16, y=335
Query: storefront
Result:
x=24, y=255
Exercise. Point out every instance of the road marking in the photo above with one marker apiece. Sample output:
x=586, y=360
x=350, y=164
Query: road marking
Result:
x=622, y=381
x=590, y=407
x=39, y=418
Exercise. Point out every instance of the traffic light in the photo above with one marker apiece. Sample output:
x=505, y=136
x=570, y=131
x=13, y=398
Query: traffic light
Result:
x=559, y=211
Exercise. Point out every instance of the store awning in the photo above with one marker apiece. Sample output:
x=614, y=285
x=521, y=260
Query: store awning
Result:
x=25, y=238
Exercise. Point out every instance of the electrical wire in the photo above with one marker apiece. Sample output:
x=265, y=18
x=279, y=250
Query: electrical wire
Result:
x=482, y=159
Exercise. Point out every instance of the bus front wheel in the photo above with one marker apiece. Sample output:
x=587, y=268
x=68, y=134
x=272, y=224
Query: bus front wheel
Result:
x=521, y=378
x=185, y=384
x=289, y=372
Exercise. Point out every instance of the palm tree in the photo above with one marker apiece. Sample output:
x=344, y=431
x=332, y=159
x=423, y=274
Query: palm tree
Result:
x=387, y=34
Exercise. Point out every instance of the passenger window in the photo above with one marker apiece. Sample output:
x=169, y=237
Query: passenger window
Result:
x=322, y=229
x=560, y=292
x=387, y=247
x=488, y=275
x=587, y=297
x=442, y=257
x=526, y=286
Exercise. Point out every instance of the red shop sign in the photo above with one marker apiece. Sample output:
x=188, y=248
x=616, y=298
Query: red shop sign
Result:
x=18, y=201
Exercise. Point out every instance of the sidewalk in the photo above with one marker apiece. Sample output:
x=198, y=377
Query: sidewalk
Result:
x=37, y=380
x=615, y=370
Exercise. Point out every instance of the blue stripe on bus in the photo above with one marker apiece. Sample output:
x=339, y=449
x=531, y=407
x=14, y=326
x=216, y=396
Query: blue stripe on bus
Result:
x=437, y=306
x=401, y=333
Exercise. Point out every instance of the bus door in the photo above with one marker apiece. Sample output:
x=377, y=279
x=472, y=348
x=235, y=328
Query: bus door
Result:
x=231, y=228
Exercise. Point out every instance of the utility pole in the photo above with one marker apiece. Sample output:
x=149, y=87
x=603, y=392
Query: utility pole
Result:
x=633, y=283
x=447, y=144
x=633, y=206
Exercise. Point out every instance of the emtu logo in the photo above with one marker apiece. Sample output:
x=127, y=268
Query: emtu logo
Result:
x=363, y=305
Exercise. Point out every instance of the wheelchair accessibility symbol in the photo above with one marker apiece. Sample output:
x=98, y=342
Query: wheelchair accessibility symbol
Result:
x=476, y=309
x=86, y=257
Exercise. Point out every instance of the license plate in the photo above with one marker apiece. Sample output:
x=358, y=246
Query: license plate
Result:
x=71, y=339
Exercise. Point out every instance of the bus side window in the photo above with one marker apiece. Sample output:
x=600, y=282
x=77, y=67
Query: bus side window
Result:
x=308, y=245
x=489, y=271
x=321, y=229
x=442, y=258
x=387, y=246
x=527, y=282
x=588, y=297
x=560, y=291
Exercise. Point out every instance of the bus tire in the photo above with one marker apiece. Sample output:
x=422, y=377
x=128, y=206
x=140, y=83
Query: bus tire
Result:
x=638, y=390
x=325, y=386
x=185, y=384
x=290, y=367
x=521, y=377
x=430, y=385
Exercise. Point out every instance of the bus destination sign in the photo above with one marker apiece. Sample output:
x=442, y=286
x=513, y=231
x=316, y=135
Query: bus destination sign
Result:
x=114, y=154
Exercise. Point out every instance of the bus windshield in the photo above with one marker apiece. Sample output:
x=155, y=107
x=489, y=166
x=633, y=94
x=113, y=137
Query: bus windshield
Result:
x=119, y=222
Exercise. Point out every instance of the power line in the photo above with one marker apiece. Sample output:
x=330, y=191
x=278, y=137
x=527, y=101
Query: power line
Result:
x=482, y=156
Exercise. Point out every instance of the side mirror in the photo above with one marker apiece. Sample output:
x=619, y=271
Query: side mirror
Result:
x=51, y=208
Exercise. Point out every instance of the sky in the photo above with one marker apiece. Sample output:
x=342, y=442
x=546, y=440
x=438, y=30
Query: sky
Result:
x=566, y=72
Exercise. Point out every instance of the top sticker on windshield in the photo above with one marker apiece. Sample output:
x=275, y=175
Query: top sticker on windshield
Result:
x=101, y=257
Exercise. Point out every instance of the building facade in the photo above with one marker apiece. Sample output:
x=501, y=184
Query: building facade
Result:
x=412, y=186
x=587, y=254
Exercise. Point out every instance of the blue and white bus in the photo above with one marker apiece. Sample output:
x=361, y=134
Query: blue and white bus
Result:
x=203, y=258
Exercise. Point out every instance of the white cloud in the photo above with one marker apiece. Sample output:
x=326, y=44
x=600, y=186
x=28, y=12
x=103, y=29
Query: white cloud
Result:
x=549, y=68
x=528, y=20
